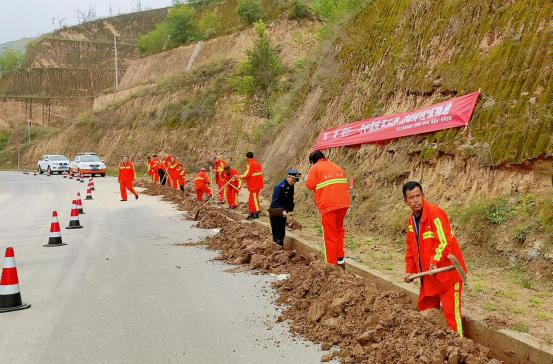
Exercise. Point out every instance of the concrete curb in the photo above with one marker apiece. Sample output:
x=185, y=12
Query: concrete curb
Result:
x=506, y=345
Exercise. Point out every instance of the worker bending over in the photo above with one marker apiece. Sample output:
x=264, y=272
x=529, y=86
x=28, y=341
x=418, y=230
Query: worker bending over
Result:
x=332, y=197
x=430, y=242
x=282, y=204
x=202, y=185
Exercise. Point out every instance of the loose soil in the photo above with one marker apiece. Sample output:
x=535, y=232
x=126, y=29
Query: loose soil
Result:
x=344, y=313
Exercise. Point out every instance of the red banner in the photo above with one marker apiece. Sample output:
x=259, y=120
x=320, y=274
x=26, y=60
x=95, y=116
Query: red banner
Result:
x=448, y=114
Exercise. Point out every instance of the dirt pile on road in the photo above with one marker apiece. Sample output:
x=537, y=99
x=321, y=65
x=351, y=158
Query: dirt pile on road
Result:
x=340, y=311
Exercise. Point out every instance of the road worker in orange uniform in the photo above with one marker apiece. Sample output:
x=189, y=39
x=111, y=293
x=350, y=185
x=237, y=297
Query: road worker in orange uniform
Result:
x=255, y=182
x=332, y=197
x=155, y=167
x=181, y=177
x=220, y=178
x=164, y=175
x=430, y=243
x=151, y=168
x=233, y=188
x=202, y=184
x=127, y=176
x=174, y=172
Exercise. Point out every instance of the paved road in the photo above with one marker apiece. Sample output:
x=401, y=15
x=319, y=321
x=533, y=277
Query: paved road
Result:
x=116, y=294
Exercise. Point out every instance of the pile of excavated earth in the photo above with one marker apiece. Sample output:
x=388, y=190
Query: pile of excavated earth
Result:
x=346, y=314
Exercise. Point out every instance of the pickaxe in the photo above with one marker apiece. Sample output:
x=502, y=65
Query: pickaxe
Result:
x=456, y=266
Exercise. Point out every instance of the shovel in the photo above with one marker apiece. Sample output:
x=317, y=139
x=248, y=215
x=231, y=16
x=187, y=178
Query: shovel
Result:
x=211, y=199
x=456, y=266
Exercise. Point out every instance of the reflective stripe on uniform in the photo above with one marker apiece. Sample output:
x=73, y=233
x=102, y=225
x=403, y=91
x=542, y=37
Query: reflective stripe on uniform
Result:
x=442, y=237
x=257, y=174
x=255, y=201
x=428, y=235
x=411, y=230
x=458, y=320
x=331, y=182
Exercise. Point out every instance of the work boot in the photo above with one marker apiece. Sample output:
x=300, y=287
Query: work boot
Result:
x=250, y=217
x=256, y=215
x=136, y=197
x=280, y=242
x=342, y=265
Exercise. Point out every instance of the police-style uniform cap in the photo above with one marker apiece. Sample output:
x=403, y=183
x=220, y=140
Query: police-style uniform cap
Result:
x=294, y=173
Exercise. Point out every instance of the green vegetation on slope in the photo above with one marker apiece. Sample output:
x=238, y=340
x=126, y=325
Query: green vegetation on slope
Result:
x=10, y=60
x=457, y=47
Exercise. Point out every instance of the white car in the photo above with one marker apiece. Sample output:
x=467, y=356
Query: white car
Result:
x=53, y=163
x=87, y=164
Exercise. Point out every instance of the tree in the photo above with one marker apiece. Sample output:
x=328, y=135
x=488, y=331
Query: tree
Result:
x=10, y=60
x=261, y=74
x=183, y=27
x=250, y=10
x=209, y=24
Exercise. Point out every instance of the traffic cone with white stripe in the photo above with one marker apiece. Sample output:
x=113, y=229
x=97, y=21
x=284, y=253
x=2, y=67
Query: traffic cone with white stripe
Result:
x=88, y=194
x=74, y=222
x=10, y=296
x=92, y=185
x=55, y=232
x=80, y=203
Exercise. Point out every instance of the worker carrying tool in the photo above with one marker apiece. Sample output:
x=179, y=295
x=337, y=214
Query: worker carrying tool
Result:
x=282, y=205
x=154, y=167
x=151, y=168
x=433, y=255
x=181, y=176
x=255, y=183
x=233, y=188
x=333, y=199
x=220, y=179
x=202, y=185
x=127, y=176
x=176, y=173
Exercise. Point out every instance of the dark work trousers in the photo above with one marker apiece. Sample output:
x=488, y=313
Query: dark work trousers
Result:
x=278, y=226
x=161, y=175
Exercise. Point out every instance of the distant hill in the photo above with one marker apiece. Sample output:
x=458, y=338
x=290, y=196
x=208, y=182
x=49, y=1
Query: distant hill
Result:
x=15, y=44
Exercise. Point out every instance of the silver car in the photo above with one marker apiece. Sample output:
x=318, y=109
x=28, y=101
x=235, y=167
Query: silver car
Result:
x=53, y=163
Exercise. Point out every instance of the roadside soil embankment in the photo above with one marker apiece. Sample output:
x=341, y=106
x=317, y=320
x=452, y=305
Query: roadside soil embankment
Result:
x=344, y=313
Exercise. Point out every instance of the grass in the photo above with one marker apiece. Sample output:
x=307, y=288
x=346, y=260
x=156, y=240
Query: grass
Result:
x=521, y=327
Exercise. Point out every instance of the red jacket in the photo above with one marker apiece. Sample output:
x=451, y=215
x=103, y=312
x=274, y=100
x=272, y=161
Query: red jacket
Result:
x=254, y=176
x=435, y=242
x=152, y=167
x=201, y=180
x=236, y=182
x=219, y=169
x=331, y=187
x=126, y=172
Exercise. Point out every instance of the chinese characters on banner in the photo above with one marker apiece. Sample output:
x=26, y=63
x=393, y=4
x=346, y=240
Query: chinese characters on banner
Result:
x=448, y=114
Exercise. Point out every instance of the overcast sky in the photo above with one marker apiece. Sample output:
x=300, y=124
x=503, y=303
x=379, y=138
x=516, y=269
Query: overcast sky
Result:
x=31, y=18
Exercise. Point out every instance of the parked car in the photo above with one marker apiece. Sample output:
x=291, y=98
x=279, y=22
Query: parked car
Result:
x=53, y=163
x=87, y=163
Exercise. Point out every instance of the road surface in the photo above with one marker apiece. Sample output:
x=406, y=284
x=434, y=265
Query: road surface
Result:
x=122, y=292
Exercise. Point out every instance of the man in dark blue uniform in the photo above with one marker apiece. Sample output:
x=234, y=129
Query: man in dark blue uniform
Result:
x=282, y=204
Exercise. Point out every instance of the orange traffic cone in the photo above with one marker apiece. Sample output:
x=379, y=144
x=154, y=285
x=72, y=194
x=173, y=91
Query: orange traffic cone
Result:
x=74, y=222
x=80, y=203
x=10, y=296
x=88, y=194
x=55, y=232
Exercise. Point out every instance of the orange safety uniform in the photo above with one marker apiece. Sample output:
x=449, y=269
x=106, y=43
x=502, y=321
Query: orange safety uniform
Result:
x=174, y=174
x=127, y=176
x=233, y=188
x=255, y=183
x=428, y=244
x=181, y=177
x=333, y=199
x=152, y=169
x=156, y=167
x=220, y=178
x=164, y=166
x=202, y=184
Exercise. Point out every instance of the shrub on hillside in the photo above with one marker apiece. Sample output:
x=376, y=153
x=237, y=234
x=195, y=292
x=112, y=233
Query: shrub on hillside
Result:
x=10, y=60
x=250, y=10
x=209, y=24
x=260, y=79
x=178, y=28
x=299, y=10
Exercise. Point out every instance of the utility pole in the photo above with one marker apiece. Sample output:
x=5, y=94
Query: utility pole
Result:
x=29, y=123
x=116, y=67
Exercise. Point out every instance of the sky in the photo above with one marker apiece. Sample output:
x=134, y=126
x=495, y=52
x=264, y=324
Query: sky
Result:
x=31, y=18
